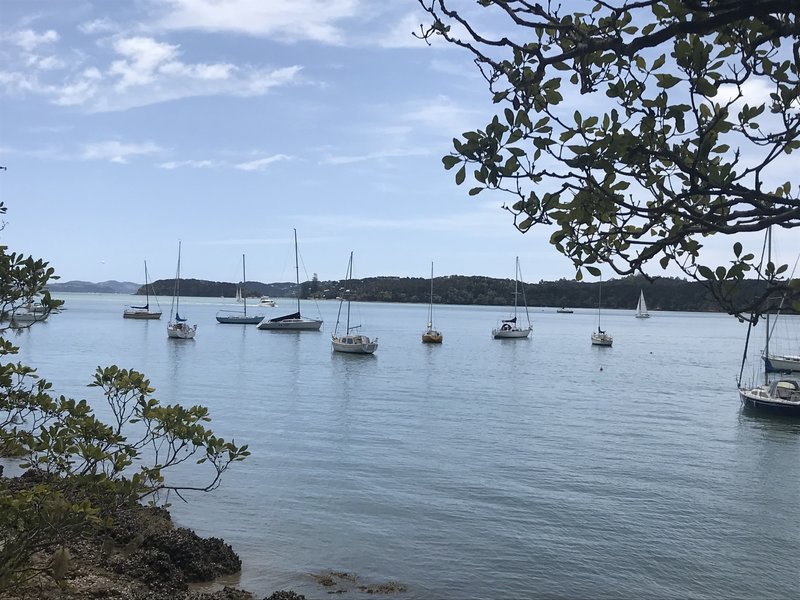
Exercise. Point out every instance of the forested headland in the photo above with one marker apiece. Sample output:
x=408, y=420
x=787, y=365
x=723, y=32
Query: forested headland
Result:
x=661, y=294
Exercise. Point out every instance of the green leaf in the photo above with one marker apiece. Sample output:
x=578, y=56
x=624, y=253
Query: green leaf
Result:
x=461, y=175
x=666, y=80
x=450, y=161
x=705, y=87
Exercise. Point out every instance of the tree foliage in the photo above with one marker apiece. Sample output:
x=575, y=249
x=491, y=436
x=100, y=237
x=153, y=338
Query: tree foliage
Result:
x=80, y=468
x=637, y=128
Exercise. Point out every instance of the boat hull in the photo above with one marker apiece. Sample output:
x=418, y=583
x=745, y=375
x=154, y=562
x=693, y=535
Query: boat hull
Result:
x=782, y=364
x=759, y=400
x=354, y=344
x=181, y=331
x=239, y=320
x=267, y=302
x=510, y=334
x=432, y=337
x=20, y=319
x=143, y=314
x=290, y=325
x=601, y=339
x=643, y=316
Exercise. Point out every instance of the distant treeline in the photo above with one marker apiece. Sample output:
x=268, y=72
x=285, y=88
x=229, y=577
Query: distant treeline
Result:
x=661, y=294
x=221, y=289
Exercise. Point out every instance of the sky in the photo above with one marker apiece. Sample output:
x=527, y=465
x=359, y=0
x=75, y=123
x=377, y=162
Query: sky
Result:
x=127, y=126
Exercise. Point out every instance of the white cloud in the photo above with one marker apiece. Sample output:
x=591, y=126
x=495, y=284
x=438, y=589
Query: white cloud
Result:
x=81, y=90
x=20, y=82
x=29, y=40
x=144, y=71
x=261, y=163
x=290, y=21
x=104, y=25
x=117, y=152
x=191, y=164
x=45, y=63
x=344, y=160
x=142, y=58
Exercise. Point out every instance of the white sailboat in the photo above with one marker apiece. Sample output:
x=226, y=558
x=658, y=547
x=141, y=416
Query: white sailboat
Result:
x=350, y=342
x=177, y=327
x=29, y=313
x=600, y=337
x=641, y=307
x=508, y=328
x=236, y=317
x=779, y=361
x=143, y=312
x=778, y=394
x=431, y=335
x=293, y=321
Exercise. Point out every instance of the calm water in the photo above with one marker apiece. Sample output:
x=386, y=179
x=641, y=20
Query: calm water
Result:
x=543, y=468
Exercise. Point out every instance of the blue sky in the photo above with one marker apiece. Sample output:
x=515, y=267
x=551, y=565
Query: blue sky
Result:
x=126, y=126
x=129, y=125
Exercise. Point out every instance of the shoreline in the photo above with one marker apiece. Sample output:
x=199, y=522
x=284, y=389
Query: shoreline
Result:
x=142, y=555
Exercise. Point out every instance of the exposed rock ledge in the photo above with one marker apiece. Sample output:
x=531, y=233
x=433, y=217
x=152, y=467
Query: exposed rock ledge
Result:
x=142, y=557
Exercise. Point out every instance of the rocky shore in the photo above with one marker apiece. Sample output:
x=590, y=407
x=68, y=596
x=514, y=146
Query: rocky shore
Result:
x=142, y=555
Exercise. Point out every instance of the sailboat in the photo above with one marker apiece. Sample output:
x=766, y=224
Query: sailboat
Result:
x=641, y=307
x=775, y=362
x=178, y=327
x=353, y=344
x=779, y=395
x=235, y=317
x=600, y=337
x=143, y=312
x=431, y=336
x=508, y=328
x=293, y=321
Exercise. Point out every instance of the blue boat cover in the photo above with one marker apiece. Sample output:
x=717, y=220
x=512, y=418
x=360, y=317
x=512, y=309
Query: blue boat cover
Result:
x=285, y=318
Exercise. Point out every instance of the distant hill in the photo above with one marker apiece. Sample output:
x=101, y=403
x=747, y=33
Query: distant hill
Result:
x=104, y=287
x=662, y=294
x=218, y=289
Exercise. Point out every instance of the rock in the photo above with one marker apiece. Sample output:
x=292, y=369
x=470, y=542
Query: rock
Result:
x=282, y=595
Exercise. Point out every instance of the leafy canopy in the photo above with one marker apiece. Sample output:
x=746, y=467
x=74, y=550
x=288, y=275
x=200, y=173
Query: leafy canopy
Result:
x=636, y=128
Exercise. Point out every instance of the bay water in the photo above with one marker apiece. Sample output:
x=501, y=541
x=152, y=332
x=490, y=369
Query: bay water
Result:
x=481, y=468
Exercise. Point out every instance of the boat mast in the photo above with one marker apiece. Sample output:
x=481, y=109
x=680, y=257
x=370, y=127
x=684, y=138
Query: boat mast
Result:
x=178, y=285
x=524, y=299
x=516, y=285
x=347, y=291
x=430, y=307
x=599, y=303
x=146, y=290
x=766, y=330
x=297, y=270
x=244, y=295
